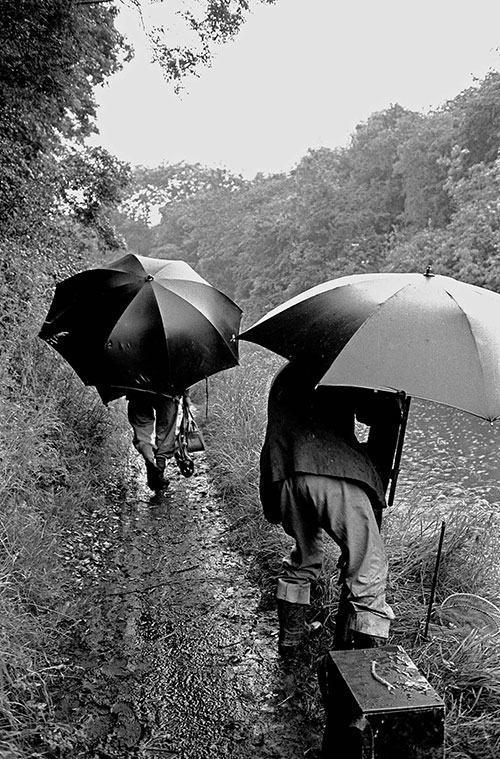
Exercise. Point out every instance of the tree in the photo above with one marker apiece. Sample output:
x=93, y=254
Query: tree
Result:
x=152, y=190
x=373, y=155
x=208, y=23
x=477, y=111
x=468, y=248
x=92, y=185
x=472, y=248
x=197, y=221
x=52, y=54
x=337, y=222
x=422, y=163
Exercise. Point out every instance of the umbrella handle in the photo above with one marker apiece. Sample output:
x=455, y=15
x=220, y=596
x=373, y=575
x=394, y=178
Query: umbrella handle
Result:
x=399, y=449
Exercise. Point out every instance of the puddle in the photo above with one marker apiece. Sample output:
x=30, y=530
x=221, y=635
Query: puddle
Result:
x=176, y=657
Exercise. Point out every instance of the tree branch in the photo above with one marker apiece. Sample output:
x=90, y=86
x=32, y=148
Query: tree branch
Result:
x=92, y=2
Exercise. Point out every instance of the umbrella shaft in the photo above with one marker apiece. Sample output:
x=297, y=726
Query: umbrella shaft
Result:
x=399, y=450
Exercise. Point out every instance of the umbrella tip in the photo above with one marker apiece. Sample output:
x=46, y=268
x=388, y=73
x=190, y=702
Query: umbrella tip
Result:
x=428, y=271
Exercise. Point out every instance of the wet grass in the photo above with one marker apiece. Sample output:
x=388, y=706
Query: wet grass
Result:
x=461, y=663
x=61, y=451
x=58, y=448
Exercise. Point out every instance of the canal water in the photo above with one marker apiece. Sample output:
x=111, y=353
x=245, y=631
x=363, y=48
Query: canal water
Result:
x=450, y=452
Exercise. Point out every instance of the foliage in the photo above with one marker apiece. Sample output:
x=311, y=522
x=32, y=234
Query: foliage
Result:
x=410, y=188
x=477, y=112
x=92, y=185
x=472, y=251
x=58, y=449
x=468, y=248
x=53, y=53
x=423, y=162
x=372, y=158
x=209, y=22
x=153, y=190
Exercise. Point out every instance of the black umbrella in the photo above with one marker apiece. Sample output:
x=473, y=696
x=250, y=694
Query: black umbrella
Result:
x=143, y=324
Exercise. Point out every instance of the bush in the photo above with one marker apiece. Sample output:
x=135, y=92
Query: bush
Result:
x=59, y=447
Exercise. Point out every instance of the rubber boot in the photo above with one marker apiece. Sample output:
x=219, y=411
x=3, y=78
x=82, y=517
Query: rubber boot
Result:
x=154, y=476
x=160, y=465
x=346, y=639
x=363, y=640
x=342, y=636
x=292, y=619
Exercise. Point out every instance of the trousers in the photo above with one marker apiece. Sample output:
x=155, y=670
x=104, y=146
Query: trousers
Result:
x=153, y=419
x=313, y=504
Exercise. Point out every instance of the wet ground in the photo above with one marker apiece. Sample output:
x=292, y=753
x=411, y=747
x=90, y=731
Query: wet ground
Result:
x=177, y=654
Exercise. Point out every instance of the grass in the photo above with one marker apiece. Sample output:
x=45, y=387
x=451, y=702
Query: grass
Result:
x=58, y=445
x=57, y=448
x=463, y=665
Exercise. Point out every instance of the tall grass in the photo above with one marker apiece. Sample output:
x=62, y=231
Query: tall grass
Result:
x=234, y=435
x=462, y=664
x=58, y=447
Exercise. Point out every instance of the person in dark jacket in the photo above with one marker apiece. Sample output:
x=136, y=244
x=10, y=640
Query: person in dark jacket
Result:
x=315, y=476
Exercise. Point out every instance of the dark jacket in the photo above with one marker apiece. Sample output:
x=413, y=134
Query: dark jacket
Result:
x=313, y=431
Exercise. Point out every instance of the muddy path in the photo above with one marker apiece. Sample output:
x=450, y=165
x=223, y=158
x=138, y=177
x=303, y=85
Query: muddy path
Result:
x=177, y=654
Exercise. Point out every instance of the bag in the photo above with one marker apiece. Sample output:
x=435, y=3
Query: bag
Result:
x=188, y=440
x=195, y=440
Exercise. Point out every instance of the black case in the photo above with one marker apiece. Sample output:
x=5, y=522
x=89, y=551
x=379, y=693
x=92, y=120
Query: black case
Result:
x=379, y=706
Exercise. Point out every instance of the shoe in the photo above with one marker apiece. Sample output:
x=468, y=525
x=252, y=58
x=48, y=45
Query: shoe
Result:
x=154, y=476
x=362, y=640
x=160, y=465
x=292, y=619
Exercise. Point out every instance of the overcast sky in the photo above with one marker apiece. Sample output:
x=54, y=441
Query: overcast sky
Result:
x=300, y=74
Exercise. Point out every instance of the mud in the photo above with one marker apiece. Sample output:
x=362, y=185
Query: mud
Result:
x=177, y=653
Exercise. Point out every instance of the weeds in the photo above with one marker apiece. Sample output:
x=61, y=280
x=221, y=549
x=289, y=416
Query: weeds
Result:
x=57, y=448
x=460, y=663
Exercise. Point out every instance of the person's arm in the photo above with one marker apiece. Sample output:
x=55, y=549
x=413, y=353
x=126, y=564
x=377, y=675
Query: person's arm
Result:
x=268, y=490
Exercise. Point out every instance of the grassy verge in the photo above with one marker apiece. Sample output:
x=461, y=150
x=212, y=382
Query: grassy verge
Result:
x=59, y=449
x=463, y=665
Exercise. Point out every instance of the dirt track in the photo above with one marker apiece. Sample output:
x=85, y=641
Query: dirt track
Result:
x=177, y=655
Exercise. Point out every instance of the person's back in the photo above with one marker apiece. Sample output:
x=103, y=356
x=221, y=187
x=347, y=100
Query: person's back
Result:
x=313, y=430
x=316, y=476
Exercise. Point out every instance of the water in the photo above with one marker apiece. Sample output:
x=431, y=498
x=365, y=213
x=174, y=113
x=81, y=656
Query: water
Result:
x=450, y=449
x=176, y=656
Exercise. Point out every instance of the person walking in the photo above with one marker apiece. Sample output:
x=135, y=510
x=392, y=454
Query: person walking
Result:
x=316, y=476
x=153, y=418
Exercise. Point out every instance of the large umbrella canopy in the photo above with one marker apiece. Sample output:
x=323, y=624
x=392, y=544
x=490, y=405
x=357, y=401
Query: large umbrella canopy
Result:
x=142, y=323
x=426, y=335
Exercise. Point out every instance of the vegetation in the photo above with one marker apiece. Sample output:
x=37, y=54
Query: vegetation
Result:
x=409, y=189
x=61, y=452
x=54, y=201
x=208, y=24
x=462, y=664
